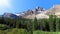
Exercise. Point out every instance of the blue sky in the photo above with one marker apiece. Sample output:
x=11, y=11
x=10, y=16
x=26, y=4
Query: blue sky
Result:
x=16, y=6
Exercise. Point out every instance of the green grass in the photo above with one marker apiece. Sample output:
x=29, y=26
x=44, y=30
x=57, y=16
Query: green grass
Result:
x=42, y=32
x=23, y=31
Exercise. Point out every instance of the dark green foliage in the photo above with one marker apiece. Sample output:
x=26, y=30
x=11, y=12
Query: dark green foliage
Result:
x=57, y=24
x=35, y=23
x=51, y=24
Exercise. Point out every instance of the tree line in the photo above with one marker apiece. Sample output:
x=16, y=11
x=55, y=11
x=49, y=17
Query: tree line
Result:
x=51, y=24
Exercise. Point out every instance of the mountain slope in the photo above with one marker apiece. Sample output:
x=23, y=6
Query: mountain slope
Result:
x=9, y=15
x=31, y=14
x=55, y=9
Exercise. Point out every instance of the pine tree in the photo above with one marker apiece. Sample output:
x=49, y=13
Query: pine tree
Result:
x=17, y=23
x=51, y=23
x=57, y=24
x=35, y=23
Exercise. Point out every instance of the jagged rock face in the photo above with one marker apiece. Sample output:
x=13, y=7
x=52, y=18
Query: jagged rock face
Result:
x=29, y=12
x=41, y=16
x=38, y=16
x=38, y=10
x=32, y=13
x=9, y=15
x=29, y=16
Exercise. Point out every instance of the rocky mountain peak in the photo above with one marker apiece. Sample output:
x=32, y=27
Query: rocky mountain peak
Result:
x=56, y=6
x=39, y=8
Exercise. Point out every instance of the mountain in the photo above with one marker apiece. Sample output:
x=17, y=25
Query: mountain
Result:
x=30, y=14
x=9, y=15
x=38, y=12
x=55, y=10
x=41, y=13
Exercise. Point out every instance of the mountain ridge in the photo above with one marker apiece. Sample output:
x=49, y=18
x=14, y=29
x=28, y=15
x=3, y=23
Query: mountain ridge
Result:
x=39, y=12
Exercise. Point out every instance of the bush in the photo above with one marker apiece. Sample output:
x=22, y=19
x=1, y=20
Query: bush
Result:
x=17, y=31
x=3, y=27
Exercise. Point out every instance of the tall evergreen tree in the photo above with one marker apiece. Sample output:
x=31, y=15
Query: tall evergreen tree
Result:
x=17, y=23
x=35, y=22
x=51, y=18
x=57, y=24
